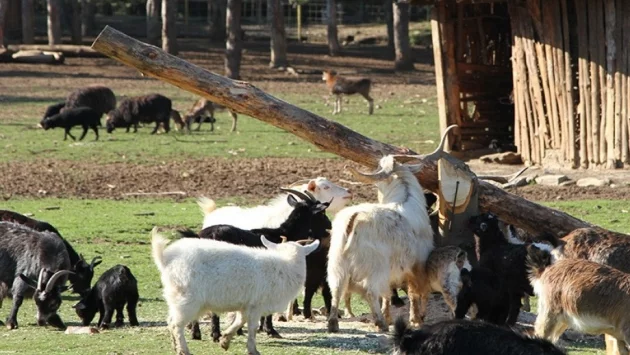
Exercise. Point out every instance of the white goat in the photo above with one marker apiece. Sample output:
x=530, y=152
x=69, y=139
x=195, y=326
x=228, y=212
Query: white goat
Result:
x=272, y=214
x=203, y=275
x=376, y=245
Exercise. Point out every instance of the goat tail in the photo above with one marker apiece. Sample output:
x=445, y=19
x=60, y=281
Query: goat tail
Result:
x=350, y=232
x=537, y=261
x=187, y=233
x=207, y=205
x=158, y=244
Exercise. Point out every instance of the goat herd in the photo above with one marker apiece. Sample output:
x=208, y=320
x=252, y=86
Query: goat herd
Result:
x=85, y=107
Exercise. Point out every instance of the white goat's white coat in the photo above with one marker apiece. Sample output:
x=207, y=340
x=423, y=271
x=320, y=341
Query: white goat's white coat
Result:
x=202, y=275
x=376, y=245
x=276, y=211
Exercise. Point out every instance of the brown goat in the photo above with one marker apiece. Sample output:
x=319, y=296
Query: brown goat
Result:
x=597, y=245
x=590, y=297
x=203, y=111
x=347, y=86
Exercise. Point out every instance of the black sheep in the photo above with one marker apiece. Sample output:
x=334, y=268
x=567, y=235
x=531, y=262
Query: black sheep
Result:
x=467, y=337
x=115, y=288
x=485, y=289
x=100, y=98
x=85, y=117
x=507, y=260
x=142, y=109
x=53, y=109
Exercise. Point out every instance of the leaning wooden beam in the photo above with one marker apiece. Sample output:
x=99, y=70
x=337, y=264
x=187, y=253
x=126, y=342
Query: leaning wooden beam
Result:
x=244, y=98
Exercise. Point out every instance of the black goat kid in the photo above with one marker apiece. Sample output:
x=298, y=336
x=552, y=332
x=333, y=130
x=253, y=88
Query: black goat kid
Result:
x=115, y=288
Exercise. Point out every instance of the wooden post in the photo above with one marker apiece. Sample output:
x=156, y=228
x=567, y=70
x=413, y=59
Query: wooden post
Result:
x=611, y=54
x=451, y=83
x=436, y=36
x=593, y=42
x=601, y=16
x=625, y=91
x=619, y=73
x=548, y=38
x=584, y=85
x=28, y=26
x=244, y=98
x=568, y=80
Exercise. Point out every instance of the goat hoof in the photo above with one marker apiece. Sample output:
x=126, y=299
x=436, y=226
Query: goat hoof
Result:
x=41, y=322
x=333, y=325
x=215, y=337
x=196, y=335
x=240, y=332
x=282, y=318
x=11, y=325
x=273, y=334
x=224, y=342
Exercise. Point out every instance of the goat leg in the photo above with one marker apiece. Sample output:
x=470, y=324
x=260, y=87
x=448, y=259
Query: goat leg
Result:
x=55, y=321
x=120, y=318
x=95, y=129
x=268, y=327
x=12, y=322
x=515, y=308
x=107, y=317
x=132, y=302
x=215, y=328
x=85, y=129
x=308, y=297
x=327, y=296
x=395, y=300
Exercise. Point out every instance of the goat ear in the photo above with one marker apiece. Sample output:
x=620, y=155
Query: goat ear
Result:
x=320, y=207
x=30, y=282
x=311, y=186
x=311, y=247
x=269, y=245
x=291, y=200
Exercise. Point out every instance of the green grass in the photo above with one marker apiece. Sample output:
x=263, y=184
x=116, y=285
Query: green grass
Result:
x=401, y=121
x=114, y=230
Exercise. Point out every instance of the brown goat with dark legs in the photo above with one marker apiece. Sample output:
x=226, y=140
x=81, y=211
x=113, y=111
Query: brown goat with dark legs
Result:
x=203, y=111
x=587, y=296
x=339, y=85
x=597, y=245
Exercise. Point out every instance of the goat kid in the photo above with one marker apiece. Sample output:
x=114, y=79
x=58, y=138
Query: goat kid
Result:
x=83, y=116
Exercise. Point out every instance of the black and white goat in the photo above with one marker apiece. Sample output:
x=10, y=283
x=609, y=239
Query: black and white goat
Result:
x=36, y=263
x=83, y=272
x=307, y=220
x=467, y=337
x=115, y=288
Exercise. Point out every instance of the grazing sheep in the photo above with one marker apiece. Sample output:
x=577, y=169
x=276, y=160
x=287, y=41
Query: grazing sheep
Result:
x=203, y=111
x=339, y=86
x=467, y=337
x=276, y=211
x=209, y=275
x=177, y=120
x=53, y=109
x=85, y=117
x=27, y=255
x=581, y=294
x=83, y=272
x=100, y=98
x=115, y=288
x=146, y=109
x=484, y=289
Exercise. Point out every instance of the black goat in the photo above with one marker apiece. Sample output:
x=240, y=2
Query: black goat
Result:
x=307, y=220
x=54, y=109
x=83, y=116
x=27, y=255
x=483, y=288
x=142, y=109
x=507, y=260
x=115, y=288
x=83, y=272
x=100, y=98
x=467, y=337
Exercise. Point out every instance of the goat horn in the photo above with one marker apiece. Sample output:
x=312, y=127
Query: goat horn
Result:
x=299, y=182
x=283, y=239
x=96, y=258
x=310, y=195
x=296, y=193
x=40, y=279
x=368, y=178
x=55, y=277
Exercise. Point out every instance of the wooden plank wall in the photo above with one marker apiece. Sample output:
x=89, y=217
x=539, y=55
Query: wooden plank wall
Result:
x=571, y=60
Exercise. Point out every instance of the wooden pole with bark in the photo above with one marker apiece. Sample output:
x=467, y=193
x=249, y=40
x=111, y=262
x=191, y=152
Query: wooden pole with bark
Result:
x=76, y=34
x=28, y=12
x=244, y=98
x=333, y=38
x=88, y=17
x=4, y=9
x=403, y=58
x=153, y=21
x=278, y=45
x=54, y=22
x=234, y=42
x=169, y=28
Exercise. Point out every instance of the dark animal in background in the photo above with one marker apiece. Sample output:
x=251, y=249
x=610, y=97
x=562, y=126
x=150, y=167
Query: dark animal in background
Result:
x=53, y=109
x=339, y=86
x=81, y=116
x=177, y=120
x=33, y=263
x=203, y=112
x=142, y=109
x=483, y=288
x=115, y=288
x=100, y=98
x=83, y=272
x=466, y=337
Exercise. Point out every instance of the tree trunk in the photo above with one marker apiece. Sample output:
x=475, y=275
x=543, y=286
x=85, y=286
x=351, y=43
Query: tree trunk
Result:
x=403, y=60
x=88, y=17
x=278, y=44
x=389, y=20
x=333, y=38
x=4, y=9
x=28, y=12
x=153, y=22
x=54, y=22
x=169, y=28
x=234, y=42
x=244, y=98
x=77, y=37
x=216, y=18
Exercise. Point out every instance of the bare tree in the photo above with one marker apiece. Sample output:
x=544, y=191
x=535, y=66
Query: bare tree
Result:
x=333, y=38
x=153, y=22
x=54, y=22
x=234, y=42
x=403, y=59
x=216, y=19
x=389, y=20
x=76, y=22
x=27, y=21
x=4, y=9
x=169, y=29
x=88, y=14
x=278, y=37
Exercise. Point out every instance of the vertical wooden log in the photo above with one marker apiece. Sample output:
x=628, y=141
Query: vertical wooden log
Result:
x=153, y=21
x=601, y=30
x=611, y=53
x=568, y=74
x=520, y=95
x=333, y=38
x=544, y=76
x=278, y=41
x=553, y=9
x=584, y=84
x=548, y=39
x=436, y=36
x=625, y=116
x=54, y=22
x=234, y=41
x=595, y=63
x=403, y=60
x=77, y=35
x=169, y=26
x=28, y=12
x=4, y=10
x=451, y=83
x=619, y=99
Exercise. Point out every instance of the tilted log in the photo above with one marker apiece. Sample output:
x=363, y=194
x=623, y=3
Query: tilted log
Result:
x=244, y=98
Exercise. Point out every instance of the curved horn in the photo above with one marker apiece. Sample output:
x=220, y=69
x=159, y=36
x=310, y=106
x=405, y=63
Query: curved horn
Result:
x=94, y=260
x=310, y=195
x=283, y=239
x=296, y=193
x=368, y=178
x=55, y=277
x=40, y=279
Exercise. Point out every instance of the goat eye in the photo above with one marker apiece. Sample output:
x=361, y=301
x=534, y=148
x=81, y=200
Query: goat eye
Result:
x=326, y=187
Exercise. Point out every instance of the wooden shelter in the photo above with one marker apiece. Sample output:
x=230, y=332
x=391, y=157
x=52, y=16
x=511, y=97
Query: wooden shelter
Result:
x=549, y=76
